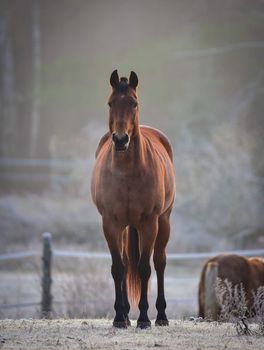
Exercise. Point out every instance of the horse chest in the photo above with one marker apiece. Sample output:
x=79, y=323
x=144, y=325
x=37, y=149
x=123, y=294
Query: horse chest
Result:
x=128, y=196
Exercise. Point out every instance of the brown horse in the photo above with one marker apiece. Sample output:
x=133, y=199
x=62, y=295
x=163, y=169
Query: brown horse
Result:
x=237, y=270
x=133, y=187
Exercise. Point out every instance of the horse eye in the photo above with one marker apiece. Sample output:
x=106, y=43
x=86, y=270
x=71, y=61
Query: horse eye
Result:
x=135, y=104
x=110, y=104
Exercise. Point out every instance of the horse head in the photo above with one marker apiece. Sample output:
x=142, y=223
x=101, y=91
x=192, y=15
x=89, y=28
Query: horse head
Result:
x=123, y=110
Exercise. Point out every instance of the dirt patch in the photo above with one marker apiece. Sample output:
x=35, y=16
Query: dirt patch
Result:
x=99, y=334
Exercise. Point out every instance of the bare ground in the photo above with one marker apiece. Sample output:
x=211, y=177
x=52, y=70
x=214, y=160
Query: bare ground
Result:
x=99, y=334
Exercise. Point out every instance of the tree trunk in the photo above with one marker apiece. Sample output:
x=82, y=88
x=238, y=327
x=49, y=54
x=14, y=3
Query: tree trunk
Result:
x=8, y=92
x=36, y=45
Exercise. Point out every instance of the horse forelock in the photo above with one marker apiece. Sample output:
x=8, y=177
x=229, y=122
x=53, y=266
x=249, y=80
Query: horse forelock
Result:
x=124, y=79
x=123, y=85
x=123, y=89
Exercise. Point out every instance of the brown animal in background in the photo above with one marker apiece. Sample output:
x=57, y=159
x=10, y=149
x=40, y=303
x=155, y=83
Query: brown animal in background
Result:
x=236, y=269
x=133, y=187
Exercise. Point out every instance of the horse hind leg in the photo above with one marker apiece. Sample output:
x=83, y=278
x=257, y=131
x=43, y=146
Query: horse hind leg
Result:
x=159, y=258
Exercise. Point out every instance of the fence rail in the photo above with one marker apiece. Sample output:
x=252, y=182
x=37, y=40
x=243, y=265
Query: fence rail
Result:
x=18, y=255
x=104, y=255
x=63, y=164
x=48, y=253
x=22, y=305
x=33, y=172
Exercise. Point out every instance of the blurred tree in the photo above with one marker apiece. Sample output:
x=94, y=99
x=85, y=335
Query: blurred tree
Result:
x=8, y=85
x=36, y=47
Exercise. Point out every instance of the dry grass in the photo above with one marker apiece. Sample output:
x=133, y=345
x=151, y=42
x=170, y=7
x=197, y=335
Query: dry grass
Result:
x=235, y=309
x=258, y=309
x=232, y=300
x=99, y=334
x=84, y=288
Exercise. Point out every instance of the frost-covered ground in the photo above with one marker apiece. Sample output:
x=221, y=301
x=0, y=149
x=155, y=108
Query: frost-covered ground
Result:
x=99, y=334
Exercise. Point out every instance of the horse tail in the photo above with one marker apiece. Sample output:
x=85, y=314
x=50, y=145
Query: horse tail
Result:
x=133, y=254
x=211, y=308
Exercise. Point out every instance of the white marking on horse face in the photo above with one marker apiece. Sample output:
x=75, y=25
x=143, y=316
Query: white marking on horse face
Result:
x=122, y=97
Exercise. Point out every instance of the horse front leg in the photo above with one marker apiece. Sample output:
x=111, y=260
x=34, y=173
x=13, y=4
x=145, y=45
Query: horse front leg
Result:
x=147, y=236
x=113, y=236
x=159, y=258
x=118, y=273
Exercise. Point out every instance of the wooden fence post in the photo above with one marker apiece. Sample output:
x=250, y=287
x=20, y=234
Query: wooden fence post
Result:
x=46, y=303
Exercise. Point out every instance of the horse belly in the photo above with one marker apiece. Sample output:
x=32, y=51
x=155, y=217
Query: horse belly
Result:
x=143, y=201
x=126, y=206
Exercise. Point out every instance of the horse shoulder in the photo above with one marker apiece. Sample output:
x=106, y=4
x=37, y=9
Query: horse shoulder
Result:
x=160, y=136
x=102, y=142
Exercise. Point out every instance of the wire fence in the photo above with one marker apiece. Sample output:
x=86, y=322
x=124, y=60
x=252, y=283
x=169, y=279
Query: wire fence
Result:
x=104, y=255
x=48, y=252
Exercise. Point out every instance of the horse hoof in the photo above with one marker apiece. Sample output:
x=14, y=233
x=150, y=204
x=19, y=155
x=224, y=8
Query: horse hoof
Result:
x=143, y=324
x=128, y=323
x=162, y=323
x=120, y=324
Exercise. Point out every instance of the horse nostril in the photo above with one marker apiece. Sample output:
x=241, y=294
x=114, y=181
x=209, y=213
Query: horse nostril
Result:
x=121, y=141
x=126, y=138
x=123, y=138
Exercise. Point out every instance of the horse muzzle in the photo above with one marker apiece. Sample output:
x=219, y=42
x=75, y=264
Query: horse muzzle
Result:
x=121, y=142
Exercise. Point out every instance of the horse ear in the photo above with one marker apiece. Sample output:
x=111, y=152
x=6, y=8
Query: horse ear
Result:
x=114, y=79
x=133, y=80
